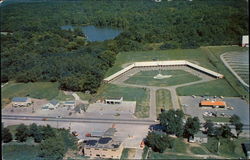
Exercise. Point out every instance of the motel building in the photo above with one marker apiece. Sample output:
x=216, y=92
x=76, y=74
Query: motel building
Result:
x=213, y=104
x=21, y=102
x=113, y=100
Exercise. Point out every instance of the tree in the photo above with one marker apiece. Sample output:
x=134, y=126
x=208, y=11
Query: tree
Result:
x=158, y=141
x=6, y=135
x=173, y=121
x=225, y=131
x=238, y=128
x=48, y=132
x=22, y=132
x=33, y=129
x=192, y=126
x=52, y=148
x=209, y=126
x=235, y=120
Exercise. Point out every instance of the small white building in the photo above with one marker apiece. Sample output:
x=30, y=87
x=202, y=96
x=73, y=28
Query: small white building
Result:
x=113, y=100
x=21, y=102
x=53, y=104
x=198, y=138
x=245, y=41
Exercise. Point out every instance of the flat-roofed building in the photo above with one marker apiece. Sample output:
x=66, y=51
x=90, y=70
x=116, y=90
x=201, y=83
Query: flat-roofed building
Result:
x=69, y=104
x=117, y=100
x=104, y=147
x=213, y=104
x=21, y=101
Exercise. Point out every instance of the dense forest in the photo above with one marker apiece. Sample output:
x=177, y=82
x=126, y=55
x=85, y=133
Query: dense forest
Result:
x=34, y=48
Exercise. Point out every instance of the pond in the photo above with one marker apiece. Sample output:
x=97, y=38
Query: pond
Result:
x=94, y=33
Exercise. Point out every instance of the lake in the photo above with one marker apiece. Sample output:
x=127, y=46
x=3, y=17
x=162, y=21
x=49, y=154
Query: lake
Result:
x=94, y=33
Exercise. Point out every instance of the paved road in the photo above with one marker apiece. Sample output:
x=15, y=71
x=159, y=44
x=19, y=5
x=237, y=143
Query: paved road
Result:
x=84, y=120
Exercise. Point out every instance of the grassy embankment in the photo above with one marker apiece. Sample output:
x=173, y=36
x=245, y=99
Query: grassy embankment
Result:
x=140, y=95
x=163, y=100
x=128, y=153
x=40, y=90
x=231, y=149
x=177, y=77
x=205, y=56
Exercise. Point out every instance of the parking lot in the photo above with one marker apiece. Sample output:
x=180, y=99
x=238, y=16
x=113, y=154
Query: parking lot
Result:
x=240, y=108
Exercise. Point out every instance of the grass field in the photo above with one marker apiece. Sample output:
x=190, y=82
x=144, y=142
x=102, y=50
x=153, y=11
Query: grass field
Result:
x=20, y=152
x=219, y=87
x=228, y=148
x=163, y=100
x=197, y=150
x=140, y=95
x=179, y=146
x=205, y=56
x=217, y=119
x=147, y=78
x=47, y=90
x=156, y=155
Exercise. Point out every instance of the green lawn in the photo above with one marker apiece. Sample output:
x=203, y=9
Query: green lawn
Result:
x=163, y=100
x=20, y=152
x=179, y=146
x=84, y=96
x=228, y=148
x=219, y=87
x=156, y=155
x=217, y=119
x=40, y=90
x=140, y=95
x=147, y=78
x=197, y=150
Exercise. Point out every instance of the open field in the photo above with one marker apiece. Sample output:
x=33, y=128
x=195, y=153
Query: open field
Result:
x=197, y=150
x=40, y=90
x=218, y=87
x=217, y=119
x=20, y=152
x=156, y=155
x=140, y=95
x=228, y=148
x=147, y=78
x=163, y=100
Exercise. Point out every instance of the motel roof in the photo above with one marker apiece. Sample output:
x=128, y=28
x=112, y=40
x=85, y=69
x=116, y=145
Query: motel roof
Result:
x=213, y=103
x=19, y=99
x=54, y=102
x=104, y=142
x=69, y=102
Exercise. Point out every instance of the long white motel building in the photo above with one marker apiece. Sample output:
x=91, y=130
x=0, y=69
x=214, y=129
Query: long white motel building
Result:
x=162, y=64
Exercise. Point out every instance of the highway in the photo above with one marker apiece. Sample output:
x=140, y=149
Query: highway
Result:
x=84, y=120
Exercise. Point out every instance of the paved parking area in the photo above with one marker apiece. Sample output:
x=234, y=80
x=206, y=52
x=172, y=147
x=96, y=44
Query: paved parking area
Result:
x=241, y=107
x=125, y=107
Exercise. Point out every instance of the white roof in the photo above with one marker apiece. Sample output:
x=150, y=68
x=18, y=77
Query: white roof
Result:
x=245, y=39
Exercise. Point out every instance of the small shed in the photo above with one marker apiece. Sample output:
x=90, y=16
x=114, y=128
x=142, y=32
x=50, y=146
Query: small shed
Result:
x=21, y=101
x=198, y=138
x=245, y=41
x=53, y=104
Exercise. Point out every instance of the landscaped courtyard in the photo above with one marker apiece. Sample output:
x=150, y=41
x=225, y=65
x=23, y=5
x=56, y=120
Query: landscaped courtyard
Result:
x=175, y=77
